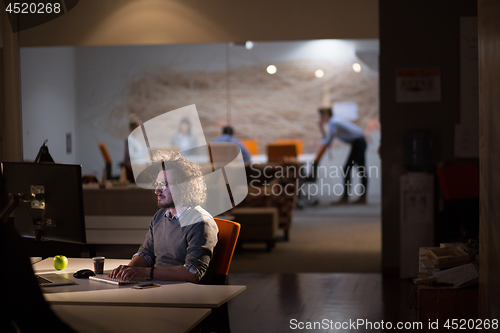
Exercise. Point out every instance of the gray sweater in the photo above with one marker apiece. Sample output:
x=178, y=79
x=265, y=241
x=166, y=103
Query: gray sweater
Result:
x=168, y=243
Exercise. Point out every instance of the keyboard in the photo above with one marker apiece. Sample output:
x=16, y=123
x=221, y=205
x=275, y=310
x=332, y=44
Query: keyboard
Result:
x=107, y=279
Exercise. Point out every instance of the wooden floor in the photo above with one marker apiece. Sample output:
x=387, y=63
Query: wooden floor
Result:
x=323, y=239
x=271, y=301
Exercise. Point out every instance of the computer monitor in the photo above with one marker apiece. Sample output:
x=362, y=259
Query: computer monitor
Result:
x=50, y=200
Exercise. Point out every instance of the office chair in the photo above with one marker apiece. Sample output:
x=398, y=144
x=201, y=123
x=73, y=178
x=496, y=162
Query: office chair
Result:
x=459, y=181
x=218, y=320
x=458, y=218
x=228, y=236
x=297, y=143
x=277, y=152
x=107, y=159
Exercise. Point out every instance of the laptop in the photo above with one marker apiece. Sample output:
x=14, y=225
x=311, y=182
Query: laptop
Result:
x=53, y=280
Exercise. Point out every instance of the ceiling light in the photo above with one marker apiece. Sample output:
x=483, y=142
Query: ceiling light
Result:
x=356, y=67
x=271, y=69
x=249, y=45
x=319, y=73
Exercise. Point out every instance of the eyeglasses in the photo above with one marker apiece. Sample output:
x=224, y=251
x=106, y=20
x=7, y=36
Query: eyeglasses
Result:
x=162, y=185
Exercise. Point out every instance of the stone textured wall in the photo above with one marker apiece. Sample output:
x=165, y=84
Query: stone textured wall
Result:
x=263, y=107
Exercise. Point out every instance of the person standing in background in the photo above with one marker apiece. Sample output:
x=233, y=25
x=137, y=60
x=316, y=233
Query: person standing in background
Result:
x=184, y=140
x=352, y=135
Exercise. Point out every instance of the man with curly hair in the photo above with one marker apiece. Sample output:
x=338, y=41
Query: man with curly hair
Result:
x=182, y=236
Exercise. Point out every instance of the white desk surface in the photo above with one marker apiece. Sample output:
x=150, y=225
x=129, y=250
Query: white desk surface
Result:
x=170, y=294
x=125, y=319
x=179, y=295
x=75, y=264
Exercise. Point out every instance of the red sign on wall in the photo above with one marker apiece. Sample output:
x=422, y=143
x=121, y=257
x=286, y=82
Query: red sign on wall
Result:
x=418, y=85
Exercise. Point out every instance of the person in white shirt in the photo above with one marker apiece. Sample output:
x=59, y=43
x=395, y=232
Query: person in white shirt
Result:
x=353, y=135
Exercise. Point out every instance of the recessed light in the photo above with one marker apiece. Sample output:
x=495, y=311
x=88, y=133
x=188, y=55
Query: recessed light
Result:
x=356, y=67
x=319, y=73
x=271, y=69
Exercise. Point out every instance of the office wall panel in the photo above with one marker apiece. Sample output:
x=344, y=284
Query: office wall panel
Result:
x=416, y=34
x=489, y=104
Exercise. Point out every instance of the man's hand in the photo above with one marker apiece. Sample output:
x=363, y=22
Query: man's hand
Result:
x=129, y=273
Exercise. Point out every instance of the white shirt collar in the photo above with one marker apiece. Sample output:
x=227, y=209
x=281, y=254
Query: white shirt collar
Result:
x=176, y=216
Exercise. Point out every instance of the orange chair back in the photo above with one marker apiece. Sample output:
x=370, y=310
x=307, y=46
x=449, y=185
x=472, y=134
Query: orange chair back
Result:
x=297, y=143
x=277, y=152
x=252, y=146
x=228, y=235
x=104, y=152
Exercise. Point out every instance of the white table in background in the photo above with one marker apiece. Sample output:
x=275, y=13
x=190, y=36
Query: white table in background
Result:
x=262, y=158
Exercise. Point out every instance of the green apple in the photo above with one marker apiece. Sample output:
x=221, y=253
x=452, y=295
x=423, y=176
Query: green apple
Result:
x=60, y=262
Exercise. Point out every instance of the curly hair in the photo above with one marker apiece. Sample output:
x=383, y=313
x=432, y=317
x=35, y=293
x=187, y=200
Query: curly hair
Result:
x=187, y=183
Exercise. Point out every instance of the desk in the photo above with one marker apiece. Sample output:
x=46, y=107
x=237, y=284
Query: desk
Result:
x=125, y=319
x=75, y=264
x=180, y=295
x=435, y=303
x=170, y=294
